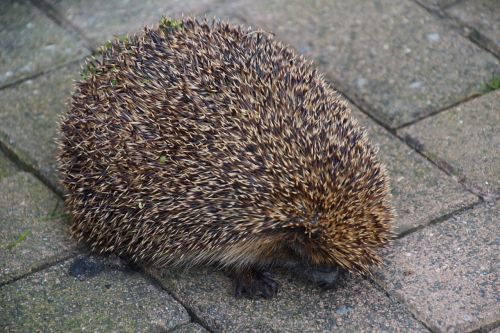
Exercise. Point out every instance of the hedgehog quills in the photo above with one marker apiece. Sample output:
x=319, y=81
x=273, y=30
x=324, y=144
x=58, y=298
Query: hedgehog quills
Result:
x=206, y=143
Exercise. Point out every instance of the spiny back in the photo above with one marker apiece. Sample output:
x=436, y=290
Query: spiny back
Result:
x=192, y=139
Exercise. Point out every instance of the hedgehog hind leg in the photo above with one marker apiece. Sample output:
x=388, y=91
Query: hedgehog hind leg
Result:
x=254, y=283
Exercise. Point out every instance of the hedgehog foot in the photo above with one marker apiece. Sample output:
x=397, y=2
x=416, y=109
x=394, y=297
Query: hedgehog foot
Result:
x=255, y=284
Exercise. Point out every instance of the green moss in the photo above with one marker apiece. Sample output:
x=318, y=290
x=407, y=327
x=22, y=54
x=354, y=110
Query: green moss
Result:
x=170, y=24
x=21, y=238
x=492, y=84
x=163, y=159
x=106, y=46
x=89, y=70
x=114, y=82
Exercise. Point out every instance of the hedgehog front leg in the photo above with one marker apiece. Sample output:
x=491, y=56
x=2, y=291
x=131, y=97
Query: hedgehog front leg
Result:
x=254, y=283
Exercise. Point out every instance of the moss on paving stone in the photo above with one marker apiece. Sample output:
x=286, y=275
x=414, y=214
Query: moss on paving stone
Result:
x=447, y=273
x=31, y=42
x=492, y=84
x=33, y=232
x=116, y=298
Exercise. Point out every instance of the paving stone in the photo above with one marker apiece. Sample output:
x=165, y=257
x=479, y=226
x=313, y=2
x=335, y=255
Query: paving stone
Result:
x=88, y=294
x=7, y=168
x=483, y=16
x=33, y=229
x=356, y=306
x=436, y=4
x=190, y=328
x=101, y=20
x=466, y=141
x=421, y=192
x=393, y=57
x=29, y=114
x=30, y=42
x=448, y=273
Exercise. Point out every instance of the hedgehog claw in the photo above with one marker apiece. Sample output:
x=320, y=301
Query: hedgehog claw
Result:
x=255, y=284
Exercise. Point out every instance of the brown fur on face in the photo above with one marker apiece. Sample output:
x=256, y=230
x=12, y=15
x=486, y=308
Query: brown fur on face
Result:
x=201, y=142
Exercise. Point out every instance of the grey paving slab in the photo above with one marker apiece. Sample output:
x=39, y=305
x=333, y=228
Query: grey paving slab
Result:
x=30, y=42
x=484, y=17
x=436, y=4
x=356, y=306
x=33, y=229
x=7, y=168
x=29, y=114
x=421, y=192
x=448, y=273
x=190, y=328
x=465, y=140
x=101, y=20
x=88, y=295
x=393, y=57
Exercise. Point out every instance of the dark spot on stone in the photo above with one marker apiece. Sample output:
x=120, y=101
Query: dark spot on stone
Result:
x=85, y=267
x=414, y=142
x=107, y=285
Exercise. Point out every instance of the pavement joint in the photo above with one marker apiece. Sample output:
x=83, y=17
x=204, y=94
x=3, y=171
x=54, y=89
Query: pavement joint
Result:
x=54, y=14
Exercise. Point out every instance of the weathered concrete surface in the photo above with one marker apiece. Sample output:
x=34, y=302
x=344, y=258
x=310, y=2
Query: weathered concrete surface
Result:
x=436, y=4
x=421, y=192
x=33, y=231
x=483, y=16
x=30, y=42
x=7, y=168
x=448, y=274
x=88, y=294
x=101, y=20
x=29, y=114
x=190, y=328
x=466, y=141
x=392, y=57
x=356, y=306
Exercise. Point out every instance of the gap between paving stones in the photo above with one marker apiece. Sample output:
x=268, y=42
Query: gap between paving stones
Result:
x=61, y=21
x=442, y=165
x=47, y=265
x=437, y=164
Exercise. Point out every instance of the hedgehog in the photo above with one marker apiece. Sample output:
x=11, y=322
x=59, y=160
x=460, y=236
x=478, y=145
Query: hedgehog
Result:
x=199, y=142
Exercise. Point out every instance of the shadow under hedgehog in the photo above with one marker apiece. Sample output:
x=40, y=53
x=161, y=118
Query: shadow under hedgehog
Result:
x=203, y=143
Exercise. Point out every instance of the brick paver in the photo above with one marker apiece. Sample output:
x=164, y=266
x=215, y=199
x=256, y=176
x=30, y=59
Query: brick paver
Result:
x=101, y=20
x=483, y=16
x=32, y=229
x=356, y=306
x=474, y=127
x=29, y=113
x=414, y=180
x=448, y=273
x=88, y=294
x=30, y=42
x=7, y=168
x=397, y=60
x=190, y=328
